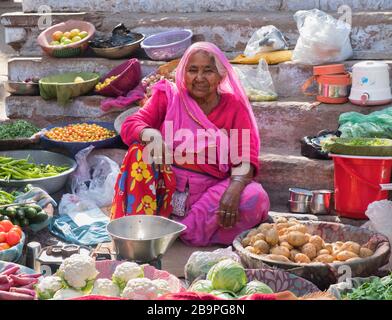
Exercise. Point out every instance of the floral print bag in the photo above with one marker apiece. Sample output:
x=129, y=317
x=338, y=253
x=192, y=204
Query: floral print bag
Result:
x=142, y=188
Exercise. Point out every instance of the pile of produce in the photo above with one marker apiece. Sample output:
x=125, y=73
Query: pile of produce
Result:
x=289, y=241
x=68, y=37
x=77, y=276
x=10, y=235
x=17, y=129
x=375, y=289
x=227, y=279
x=17, y=286
x=20, y=169
x=7, y=198
x=149, y=81
x=105, y=83
x=358, y=146
x=120, y=36
x=81, y=132
x=24, y=214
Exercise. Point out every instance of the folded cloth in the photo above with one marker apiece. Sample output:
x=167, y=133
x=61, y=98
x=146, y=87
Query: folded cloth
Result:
x=122, y=102
x=273, y=57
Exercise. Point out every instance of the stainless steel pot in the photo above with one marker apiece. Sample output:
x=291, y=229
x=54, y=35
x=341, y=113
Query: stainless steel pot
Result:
x=299, y=194
x=321, y=202
x=299, y=206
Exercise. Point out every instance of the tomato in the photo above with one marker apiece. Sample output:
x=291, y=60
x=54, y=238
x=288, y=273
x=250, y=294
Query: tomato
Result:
x=12, y=238
x=2, y=237
x=2, y=229
x=4, y=246
x=7, y=225
x=17, y=229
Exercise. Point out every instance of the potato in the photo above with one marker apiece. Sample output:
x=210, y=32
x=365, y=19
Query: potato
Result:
x=282, y=232
x=301, y=258
x=325, y=258
x=271, y=236
x=286, y=244
x=261, y=247
x=339, y=243
x=323, y=251
x=245, y=242
x=251, y=249
x=329, y=247
x=283, y=238
x=280, y=250
x=293, y=220
x=280, y=220
x=296, y=238
x=351, y=246
x=317, y=241
x=256, y=237
x=252, y=233
x=310, y=250
x=293, y=253
x=345, y=255
x=277, y=257
x=298, y=227
x=264, y=227
x=365, y=252
x=281, y=226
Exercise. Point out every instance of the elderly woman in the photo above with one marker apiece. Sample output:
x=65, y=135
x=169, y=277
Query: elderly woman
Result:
x=214, y=195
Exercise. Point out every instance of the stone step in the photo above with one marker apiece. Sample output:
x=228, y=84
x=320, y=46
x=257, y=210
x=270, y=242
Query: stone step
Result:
x=180, y=6
x=230, y=31
x=288, y=77
x=281, y=123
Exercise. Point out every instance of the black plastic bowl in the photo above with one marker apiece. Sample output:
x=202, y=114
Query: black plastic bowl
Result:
x=74, y=147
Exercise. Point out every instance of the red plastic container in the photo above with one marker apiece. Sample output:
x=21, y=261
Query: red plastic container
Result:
x=129, y=75
x=357, y=183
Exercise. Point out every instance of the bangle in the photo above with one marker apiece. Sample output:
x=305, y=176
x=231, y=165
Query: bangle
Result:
x=243, y=180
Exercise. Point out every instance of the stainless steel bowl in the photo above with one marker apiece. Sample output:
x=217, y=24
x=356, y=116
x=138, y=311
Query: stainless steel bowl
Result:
x=299, y=206
x=143, y=238
x=299, y=194
x=120, y=51
x=321, y=202
x=50, y=184
x=21, y=88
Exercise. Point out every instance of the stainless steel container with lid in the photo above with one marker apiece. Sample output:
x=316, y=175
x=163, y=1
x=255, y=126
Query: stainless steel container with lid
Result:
x=33, y=250
x=299, y=200
x=321, y=202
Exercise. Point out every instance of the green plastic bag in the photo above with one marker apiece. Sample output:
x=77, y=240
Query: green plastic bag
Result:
x=63, y=86
x=377, y=124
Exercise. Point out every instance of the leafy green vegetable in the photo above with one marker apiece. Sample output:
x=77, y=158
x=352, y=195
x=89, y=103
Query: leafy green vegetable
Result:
x=17, y=129
x=7, y=198
x=20, y=169
x=255, y=286
x=227, y=275
x=377, y=289
x=201, y=286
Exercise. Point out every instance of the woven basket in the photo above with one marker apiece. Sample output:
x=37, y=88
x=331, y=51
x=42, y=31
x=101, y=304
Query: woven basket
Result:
x=70, y=50
x=323, y=275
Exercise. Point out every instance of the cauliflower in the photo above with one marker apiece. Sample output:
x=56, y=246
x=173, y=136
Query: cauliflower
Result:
x=163, y=286
x=140, y=289
x=106, y=287
x=125, y=272
x=78, y=271
x=67, y=293
x=47, y=287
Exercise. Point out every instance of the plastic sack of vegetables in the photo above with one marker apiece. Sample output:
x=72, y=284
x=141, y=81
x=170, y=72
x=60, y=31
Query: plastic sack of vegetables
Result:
x=95, y=178
x=266, y=39
x=323, y=39
x=257, y=82
x=200, y=262
x=377, y=124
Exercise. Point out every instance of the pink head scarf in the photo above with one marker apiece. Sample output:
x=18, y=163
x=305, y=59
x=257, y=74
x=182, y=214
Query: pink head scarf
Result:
x=184, y=112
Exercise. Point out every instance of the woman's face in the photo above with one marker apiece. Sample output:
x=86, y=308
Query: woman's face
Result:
x=201, y=76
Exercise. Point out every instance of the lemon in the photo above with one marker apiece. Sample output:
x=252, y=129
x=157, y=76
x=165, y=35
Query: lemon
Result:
x=78, y=80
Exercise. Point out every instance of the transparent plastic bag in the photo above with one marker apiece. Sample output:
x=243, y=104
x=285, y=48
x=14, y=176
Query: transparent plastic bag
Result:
x=377, y=124
x=200, y=262
x=95, y=178
x=257, y=82
x=323, y=39
x=266, y=39
x=380, y=220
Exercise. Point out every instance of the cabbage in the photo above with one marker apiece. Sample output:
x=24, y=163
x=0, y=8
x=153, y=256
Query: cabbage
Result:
x=227, y=275
x=201, y=286
x=255, y=286
x=225, y=294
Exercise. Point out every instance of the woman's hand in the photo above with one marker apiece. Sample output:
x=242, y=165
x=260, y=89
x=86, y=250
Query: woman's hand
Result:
x=228, y=213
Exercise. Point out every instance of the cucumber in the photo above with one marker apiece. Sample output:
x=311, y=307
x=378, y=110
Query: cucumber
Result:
x=10, y=212
x=39, y=217
x=30, y=213
x=24, y=222
x=20, y=214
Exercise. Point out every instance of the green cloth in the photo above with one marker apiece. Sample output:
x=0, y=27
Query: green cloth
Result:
x=63, y=87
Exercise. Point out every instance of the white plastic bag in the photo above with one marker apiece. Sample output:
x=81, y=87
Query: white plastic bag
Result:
x=266, y=39
x=380, y=220
x=200, y=262
x=257, y=82
x=94, y=178
x=323, y=39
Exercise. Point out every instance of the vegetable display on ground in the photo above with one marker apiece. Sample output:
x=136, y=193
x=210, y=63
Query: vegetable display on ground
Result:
x=375, y=289
x=21, y=169
x=17, y=129
x=81, y=132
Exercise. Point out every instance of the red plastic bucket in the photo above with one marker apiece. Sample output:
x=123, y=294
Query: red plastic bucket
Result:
x=357, y=183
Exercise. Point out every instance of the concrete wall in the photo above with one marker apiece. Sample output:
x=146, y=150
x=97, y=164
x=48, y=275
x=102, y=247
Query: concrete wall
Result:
x=156, y=6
